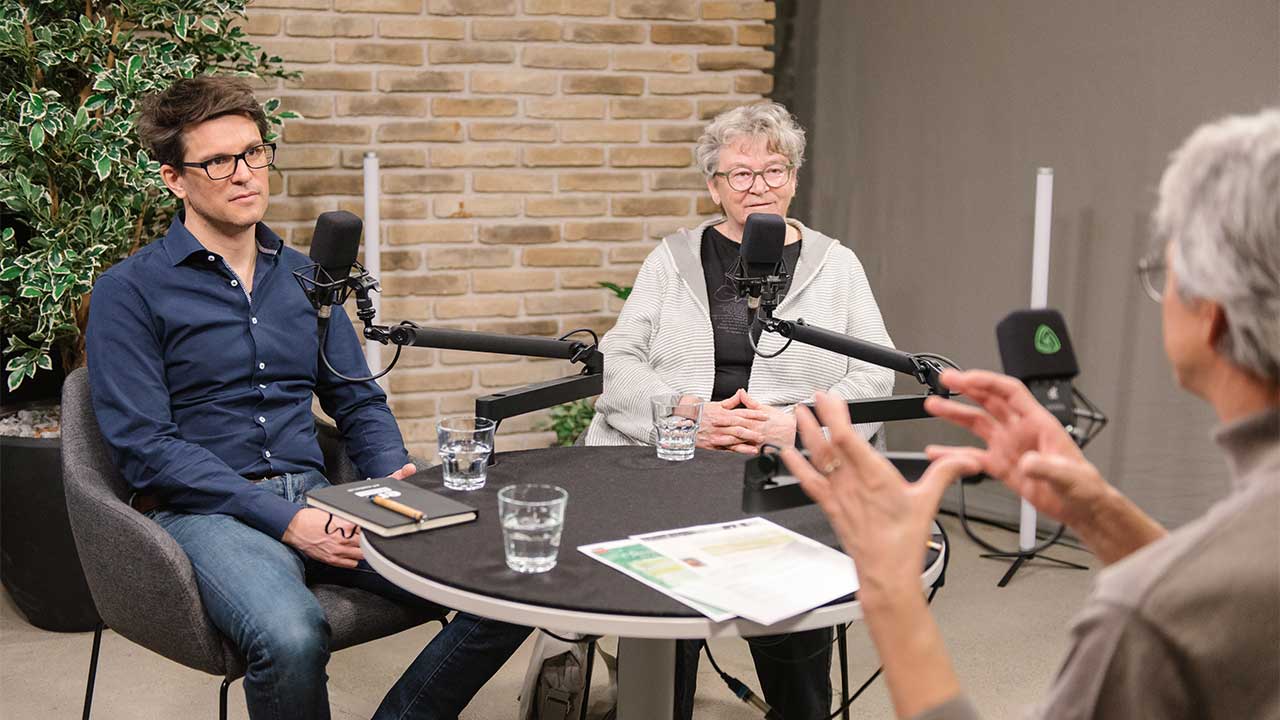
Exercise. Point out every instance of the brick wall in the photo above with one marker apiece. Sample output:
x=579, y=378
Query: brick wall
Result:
x=530, y=149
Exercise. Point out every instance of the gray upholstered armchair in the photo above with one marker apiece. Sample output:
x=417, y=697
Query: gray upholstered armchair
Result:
x=141, y=580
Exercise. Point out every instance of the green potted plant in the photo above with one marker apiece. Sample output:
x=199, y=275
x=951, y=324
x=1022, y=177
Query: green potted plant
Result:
x=77, y=194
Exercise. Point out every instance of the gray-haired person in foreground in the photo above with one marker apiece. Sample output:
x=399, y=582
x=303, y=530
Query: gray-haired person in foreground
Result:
x=1182, y=624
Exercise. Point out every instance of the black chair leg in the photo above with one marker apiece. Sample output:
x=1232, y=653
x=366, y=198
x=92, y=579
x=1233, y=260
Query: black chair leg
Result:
x=586, y=684
x=93, y=670
x=222, y=698
x=843, y=645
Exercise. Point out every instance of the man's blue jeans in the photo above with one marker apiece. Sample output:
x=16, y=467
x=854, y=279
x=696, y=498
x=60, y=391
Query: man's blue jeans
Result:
x=254, y=588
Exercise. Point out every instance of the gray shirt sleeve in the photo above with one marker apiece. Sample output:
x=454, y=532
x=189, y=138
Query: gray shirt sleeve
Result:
x=957, y=708
x=1120, y=666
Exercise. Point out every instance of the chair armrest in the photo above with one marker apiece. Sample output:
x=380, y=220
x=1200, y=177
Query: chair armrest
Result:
x=140, y=578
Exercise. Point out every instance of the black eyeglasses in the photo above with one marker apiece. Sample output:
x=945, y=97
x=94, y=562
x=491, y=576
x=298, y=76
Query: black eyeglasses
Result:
x=742, y=178
x=224, y=166
x=1152, y=271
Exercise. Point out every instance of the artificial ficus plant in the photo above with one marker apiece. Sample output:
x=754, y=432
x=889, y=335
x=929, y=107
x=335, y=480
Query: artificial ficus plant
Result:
x=77, y=191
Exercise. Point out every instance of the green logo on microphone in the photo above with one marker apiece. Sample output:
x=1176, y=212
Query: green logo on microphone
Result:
x=1047, y=342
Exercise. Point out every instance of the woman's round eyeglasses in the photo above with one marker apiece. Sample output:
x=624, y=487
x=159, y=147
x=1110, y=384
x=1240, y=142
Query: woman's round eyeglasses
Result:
x=224, y=166
x=742, y=178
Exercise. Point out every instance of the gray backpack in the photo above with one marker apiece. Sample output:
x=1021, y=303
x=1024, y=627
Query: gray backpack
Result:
x=555, y=683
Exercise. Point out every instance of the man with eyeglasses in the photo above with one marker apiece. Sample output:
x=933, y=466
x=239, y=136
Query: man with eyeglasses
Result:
x=203, y=359
x=1182, y=623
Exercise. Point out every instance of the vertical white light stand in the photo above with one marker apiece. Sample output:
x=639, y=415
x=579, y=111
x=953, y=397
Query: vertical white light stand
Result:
x=1027, y=547
x=1039, y=301
x=373, y=251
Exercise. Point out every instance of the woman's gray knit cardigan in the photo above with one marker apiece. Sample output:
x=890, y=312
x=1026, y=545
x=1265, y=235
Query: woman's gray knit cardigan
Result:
x=663, y=341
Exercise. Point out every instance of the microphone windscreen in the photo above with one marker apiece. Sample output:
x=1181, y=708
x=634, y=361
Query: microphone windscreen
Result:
x=1034, y=345
x=336, y=242
x=762, y=239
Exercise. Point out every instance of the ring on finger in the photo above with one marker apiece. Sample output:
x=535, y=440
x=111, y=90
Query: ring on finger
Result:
x=831, y=466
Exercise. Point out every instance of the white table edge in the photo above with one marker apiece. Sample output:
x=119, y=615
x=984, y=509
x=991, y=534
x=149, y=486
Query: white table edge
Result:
x=629, y=626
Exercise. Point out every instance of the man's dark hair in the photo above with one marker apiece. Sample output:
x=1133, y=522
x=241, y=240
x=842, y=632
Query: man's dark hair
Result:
x=190, y=101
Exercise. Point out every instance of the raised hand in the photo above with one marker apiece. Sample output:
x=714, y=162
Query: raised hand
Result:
x=1020, y=435
x=881, y=519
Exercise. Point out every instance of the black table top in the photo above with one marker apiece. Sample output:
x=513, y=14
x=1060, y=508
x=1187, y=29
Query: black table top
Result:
x=614, y=492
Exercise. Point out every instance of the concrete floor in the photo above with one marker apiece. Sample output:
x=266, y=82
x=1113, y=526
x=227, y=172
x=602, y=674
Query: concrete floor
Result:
x=1006, y=644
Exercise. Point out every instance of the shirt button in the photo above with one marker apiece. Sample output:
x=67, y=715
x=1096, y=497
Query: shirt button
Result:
x=212, y=258
x=266, y=453
x=261, y=386
x=234, y=283
x=262, y=419
x=262, y=366
x=253, y=320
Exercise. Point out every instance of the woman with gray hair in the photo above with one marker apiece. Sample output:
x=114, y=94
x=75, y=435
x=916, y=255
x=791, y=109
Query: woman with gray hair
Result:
x=685, y=331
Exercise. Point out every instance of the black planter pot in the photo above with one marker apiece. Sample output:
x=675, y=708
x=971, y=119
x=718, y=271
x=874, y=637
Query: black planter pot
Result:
x=39, y=565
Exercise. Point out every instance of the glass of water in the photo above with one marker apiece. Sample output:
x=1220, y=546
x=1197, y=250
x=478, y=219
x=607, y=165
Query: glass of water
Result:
x=465, y=445
x=676, y=419
x=532, y=517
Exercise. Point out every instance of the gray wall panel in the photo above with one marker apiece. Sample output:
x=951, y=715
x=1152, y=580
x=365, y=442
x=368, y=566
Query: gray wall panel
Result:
x=928, y=121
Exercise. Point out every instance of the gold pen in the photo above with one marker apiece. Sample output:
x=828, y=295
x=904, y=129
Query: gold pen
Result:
x=405, y=510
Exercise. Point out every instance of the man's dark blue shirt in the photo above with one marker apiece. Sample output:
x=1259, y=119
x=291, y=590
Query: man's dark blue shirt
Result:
x=200, y=387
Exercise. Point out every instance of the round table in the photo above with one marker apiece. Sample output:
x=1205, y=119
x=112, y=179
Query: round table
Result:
x=614, y=492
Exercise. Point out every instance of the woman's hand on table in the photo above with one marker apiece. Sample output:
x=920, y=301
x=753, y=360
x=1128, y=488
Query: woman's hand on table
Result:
x=778, y=427
x=725, y=425
x=742, y=424
x=882, y=520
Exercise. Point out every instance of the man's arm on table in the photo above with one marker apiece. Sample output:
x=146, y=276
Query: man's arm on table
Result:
x=359, y=409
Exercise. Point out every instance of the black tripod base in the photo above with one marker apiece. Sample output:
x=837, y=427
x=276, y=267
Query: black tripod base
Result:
x=1021, y=557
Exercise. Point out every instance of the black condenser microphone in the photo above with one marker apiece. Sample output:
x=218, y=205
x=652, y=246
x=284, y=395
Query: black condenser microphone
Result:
x=334, y=246
x=1036, y=349
x=760, y=256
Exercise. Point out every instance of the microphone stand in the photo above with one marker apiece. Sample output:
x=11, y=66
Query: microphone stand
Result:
x=502, y=405
x=761, y=491
x=322, y=289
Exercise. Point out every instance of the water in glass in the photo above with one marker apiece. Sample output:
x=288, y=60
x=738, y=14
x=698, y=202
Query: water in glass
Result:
x=532, y=541
x=465, y=462
x=532, y=516
x=676, y=437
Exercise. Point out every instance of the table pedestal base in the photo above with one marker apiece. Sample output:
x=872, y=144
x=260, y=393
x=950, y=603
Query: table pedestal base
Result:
x=646, y=678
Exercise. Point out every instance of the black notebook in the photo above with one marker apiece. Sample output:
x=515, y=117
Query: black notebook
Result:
x=354, y=502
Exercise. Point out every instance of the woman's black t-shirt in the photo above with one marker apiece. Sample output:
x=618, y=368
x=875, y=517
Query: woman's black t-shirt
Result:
x=729, y=312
